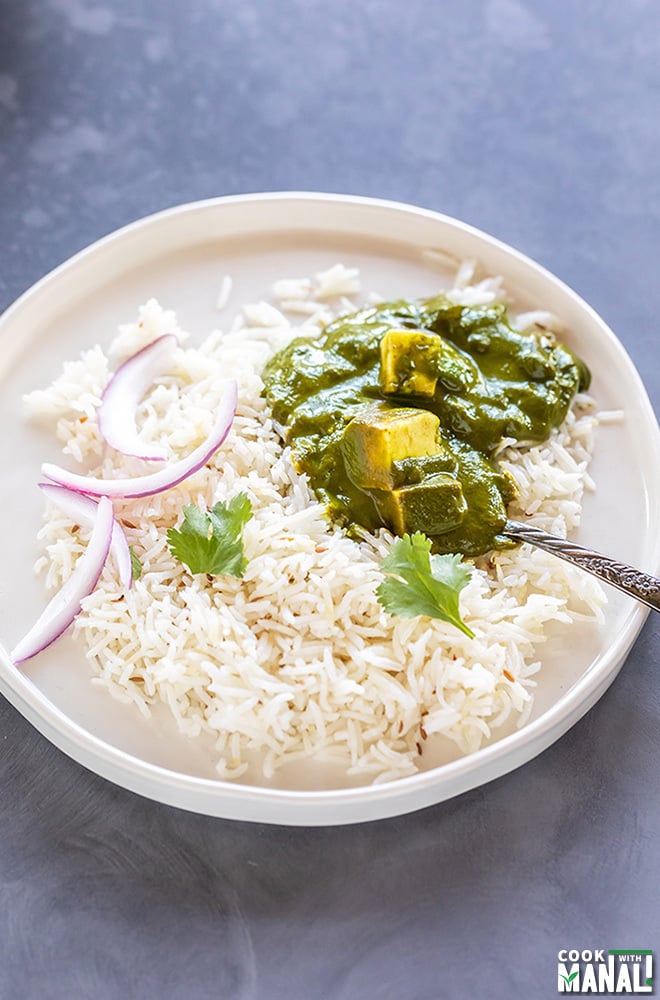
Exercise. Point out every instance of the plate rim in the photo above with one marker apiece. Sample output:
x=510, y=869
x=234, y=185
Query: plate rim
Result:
x=498, y=758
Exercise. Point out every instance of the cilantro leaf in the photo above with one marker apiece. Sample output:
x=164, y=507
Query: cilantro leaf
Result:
x=136, y=565
x=417, y=583
x=210, y=541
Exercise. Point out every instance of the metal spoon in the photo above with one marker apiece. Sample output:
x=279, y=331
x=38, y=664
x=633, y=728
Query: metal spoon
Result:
x=642, y=586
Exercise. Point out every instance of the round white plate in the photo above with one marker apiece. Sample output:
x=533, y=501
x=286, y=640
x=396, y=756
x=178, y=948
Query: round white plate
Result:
x=180, y=256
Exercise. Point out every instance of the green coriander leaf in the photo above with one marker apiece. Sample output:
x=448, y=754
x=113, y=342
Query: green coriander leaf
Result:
x=210, y=541
x=227, y=523
x=233, y=516
x=136, y=565
x=417, y=583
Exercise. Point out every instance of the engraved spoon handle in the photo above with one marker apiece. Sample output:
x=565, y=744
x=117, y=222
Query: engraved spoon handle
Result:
x=631, y=581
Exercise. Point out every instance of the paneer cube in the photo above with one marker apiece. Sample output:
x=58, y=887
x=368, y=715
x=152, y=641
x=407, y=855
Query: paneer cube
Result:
x=433, y=506
x=382, y=435
x=408, y=363
x=408, y=471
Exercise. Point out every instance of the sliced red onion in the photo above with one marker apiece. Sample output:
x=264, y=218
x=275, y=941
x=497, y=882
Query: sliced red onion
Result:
x=128, y=385
x=83, y=509
x=64, y=607
x=155, y=482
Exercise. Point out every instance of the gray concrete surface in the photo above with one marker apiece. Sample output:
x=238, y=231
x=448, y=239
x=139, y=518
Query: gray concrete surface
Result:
x=537, y=121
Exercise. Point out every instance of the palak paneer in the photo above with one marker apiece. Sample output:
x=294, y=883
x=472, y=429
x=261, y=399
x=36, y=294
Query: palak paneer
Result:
x=395, y=413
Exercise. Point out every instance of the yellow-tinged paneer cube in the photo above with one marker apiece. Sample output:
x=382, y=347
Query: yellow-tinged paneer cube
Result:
x=383, y=435
x=408, y=363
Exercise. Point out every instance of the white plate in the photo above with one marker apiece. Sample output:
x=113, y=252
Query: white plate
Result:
x=180, y=256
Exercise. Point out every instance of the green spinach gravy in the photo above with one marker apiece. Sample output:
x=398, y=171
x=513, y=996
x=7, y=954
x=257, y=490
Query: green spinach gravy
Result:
x=395, y=413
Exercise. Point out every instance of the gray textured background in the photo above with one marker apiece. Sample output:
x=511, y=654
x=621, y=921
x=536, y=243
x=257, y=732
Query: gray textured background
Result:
x=535, y=121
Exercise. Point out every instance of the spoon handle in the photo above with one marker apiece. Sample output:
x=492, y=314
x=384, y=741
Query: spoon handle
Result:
x=631, y=581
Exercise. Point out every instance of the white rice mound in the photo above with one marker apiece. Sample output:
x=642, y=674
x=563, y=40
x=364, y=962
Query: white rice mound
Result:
x=298, y=658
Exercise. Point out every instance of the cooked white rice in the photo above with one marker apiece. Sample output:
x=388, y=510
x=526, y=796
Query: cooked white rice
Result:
x=298, y=659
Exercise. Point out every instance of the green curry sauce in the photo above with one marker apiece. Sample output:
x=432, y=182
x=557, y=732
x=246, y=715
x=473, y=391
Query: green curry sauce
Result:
x=395, y=413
